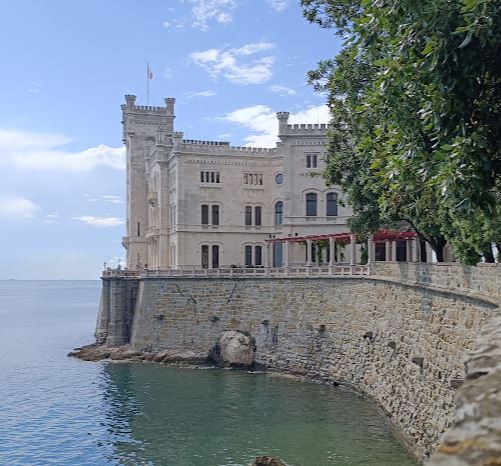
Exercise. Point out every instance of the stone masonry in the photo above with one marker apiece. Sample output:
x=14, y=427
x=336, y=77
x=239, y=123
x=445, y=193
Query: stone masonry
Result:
x=398, y=341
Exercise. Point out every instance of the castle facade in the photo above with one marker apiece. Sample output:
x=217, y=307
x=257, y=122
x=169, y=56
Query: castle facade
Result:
x=206, y=204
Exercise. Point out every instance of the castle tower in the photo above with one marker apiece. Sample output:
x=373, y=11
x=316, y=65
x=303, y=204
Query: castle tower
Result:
x=140, y=124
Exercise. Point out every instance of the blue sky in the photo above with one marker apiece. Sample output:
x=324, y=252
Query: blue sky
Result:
x=66, y=65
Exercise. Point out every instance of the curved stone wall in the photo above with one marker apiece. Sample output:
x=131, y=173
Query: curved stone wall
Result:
x=401, y=343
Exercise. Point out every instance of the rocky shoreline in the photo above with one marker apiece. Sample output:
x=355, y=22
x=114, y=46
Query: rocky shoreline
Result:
x=234, y=349
x=99, y=352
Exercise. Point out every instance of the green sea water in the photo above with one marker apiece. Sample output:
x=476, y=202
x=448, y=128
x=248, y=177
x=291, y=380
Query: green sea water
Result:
x=59, y=410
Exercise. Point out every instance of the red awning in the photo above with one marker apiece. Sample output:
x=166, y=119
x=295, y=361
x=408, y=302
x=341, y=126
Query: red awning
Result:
x=379, y=236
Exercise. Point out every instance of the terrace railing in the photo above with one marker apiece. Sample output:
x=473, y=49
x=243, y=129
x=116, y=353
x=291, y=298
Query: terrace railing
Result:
x=240, y=272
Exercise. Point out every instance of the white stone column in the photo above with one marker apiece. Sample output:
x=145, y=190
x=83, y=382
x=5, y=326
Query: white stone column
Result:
x=393, y=251
x=408, y=250
x=308, y=253
x=387, y=251
x=353, y=250
x=286, y=253
x=332, y=251
x=370, y=249
x=415, y=249
x=267, y=255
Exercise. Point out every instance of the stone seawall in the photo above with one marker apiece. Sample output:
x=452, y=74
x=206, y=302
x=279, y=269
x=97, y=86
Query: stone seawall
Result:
x=401, y=344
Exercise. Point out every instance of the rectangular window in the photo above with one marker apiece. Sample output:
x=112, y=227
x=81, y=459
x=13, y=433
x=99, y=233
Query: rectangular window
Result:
x=258, y=255
x=311, y=160
x=248, y=215
x=311, y=205
x=253, y=178
x=257, y=216
x=248, y=255
x=138, y=228
x=331, y=210
x=205, y=214
x=205, y=257
x=215, y=257
x=215, y=215
x=210, y=177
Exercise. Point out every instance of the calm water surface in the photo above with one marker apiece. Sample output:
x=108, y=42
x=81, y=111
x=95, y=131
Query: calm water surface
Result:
x=59, y=410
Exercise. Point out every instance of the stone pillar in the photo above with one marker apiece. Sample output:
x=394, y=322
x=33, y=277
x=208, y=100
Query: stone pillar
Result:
x=286, y=253
x=387, y=251
x=370, y=249
x=332, y=251
x=393, y=251
x=267, y=255
x=408, y=250
x=353, y=250
x=308, y=253
x=415, y=249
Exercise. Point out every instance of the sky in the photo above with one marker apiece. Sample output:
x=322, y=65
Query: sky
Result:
x=66, y=66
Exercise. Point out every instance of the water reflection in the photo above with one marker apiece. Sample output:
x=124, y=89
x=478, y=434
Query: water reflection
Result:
x=184, y=417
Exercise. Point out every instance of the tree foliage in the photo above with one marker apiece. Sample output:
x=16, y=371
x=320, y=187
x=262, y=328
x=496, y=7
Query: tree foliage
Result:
x=416, y=114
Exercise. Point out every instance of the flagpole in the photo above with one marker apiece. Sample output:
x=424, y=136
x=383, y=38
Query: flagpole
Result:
x=148, y=83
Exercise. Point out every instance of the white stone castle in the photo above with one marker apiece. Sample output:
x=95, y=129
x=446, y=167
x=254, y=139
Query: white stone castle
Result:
x=206, y=204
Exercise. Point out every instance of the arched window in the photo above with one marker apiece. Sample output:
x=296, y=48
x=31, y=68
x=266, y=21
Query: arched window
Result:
x=331, y=208
x=205, y=214
x=215, y=215
x=205, y=257
x=215, y=257
x=248, y=255
x=257, y=215
x=279, y=209
x=248, y=215
x=311, y=205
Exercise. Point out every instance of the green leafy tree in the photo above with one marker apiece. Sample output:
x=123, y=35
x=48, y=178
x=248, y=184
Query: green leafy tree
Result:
x=415, y=101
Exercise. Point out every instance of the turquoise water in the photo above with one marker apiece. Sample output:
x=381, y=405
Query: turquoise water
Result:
x=59, y=410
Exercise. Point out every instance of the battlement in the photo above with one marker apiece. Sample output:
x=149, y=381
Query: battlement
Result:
x=130, y=105
x=205, y=143
x=223, y=148
x=307, y=127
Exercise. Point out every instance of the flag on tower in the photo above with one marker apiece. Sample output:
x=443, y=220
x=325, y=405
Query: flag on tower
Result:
x=149, y=73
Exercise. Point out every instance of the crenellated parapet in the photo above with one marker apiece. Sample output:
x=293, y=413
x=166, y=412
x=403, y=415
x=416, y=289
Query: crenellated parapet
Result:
x=223, y=148
x=286, y=131
x=198, y=142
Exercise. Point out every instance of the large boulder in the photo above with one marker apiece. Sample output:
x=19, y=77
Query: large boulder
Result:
x=267, y=461
x=235, y=349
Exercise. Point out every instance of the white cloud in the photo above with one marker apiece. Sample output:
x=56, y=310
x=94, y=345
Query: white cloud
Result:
x=17, y=207
x=45, y=152
x=101, y=222
x=113, y=199
x=282, y=90
x=278, y=5
x=203, y=13
x=207, y=93
x=236, y=64
x=262, y=122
